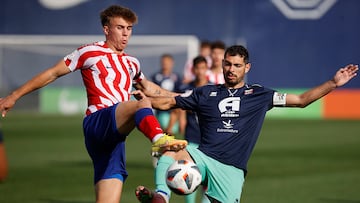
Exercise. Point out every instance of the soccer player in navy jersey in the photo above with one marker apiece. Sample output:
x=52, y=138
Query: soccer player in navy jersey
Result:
x=230, y=118
x=108, y=74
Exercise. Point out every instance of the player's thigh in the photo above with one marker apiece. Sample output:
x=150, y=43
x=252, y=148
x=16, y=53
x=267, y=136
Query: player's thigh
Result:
x=224, y=182
x=179, y=155
x=108, y=190
x=124, y=116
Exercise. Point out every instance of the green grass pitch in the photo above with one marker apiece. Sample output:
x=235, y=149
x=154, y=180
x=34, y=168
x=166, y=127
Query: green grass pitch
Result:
x=297, y=161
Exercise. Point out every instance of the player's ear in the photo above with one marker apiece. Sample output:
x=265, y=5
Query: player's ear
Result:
x=247, y=67
x=106, y=29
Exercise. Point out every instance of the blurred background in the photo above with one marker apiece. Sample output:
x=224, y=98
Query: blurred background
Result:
x=293, y=44
x=303, y=155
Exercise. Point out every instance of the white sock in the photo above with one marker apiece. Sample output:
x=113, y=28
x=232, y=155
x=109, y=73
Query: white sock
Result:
x=158, y=136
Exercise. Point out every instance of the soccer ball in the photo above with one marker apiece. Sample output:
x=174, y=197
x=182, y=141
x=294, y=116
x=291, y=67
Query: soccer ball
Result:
x=183, y=177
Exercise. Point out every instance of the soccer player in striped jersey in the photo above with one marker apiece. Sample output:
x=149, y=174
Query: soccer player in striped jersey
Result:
x=230, y=119
x=108, y=74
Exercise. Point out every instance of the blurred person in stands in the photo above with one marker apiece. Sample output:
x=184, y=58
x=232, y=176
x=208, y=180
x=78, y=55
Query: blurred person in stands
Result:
x=169, y=80
x=215, y=73
x=205, y=51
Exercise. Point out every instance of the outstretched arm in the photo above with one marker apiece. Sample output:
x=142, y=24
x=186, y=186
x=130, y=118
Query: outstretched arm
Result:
x=161, y=103
x=151, y=89
x=40, y=80
x=342, y=76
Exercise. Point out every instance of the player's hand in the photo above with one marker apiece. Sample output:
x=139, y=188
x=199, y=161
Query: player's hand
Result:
x=343, y=75
x=138, y=94
x=6, y=104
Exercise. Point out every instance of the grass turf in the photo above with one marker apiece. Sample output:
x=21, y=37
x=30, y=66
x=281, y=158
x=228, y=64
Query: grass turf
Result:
x=294, y=161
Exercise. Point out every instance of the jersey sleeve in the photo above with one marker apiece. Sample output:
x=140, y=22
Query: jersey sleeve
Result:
x=136, y=74
x=72, y=60
x=188, y=100
x=279, y=99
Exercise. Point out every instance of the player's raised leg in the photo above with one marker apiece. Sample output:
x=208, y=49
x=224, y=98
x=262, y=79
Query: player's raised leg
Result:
x=162, y=193
x=147, y=123
x=111, y=175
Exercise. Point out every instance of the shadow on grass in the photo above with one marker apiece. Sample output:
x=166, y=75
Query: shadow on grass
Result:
x=66, y=201
x=137, y=165
x=84, y=163
x=329, y=200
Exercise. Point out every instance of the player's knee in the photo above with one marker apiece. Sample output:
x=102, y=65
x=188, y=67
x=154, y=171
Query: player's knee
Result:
x=144, y=103
x=178, y=155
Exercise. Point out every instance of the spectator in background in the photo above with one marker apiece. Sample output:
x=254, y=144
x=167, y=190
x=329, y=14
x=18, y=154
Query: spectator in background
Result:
x=171, y=81
x=3, y=160
x=205, y=51
x=215, y=73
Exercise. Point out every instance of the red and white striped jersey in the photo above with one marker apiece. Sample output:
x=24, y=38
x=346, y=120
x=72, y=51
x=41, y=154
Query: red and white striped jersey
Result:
x=215, y=78
x=108, y=77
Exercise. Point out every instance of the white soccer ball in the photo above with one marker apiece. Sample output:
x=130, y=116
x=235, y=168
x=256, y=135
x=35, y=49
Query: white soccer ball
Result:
x=183, y=177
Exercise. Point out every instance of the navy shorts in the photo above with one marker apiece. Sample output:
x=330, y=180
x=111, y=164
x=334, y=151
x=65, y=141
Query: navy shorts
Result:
x=105, y=145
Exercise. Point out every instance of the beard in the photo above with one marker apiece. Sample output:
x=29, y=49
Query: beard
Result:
x=233, y=81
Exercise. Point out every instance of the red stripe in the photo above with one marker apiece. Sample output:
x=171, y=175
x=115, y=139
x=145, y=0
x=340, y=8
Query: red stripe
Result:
x=103, y=74
x=116, y=81
x=128, y=77
x=87, y=55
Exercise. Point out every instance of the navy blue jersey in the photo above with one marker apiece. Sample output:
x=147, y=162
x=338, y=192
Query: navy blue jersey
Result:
x=192, y=129
x=230, y=119
x=170, y=82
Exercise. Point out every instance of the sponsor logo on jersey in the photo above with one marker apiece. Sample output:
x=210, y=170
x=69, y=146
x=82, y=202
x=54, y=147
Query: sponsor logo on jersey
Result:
x=229, y=107
x=249, y=91
x=228, y=124
x=213, y=94
x=228, y=127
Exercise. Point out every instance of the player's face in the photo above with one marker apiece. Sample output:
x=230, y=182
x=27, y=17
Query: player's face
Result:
x=118, y=33
x=167, y=64
x=217, y=55
x=234, y=69
x=200, y=71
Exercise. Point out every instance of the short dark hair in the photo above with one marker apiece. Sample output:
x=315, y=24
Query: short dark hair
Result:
x=117, y=11
x=205, y=43
x=167, y=55
x=218, y=45
x=199, y=59
x=238, y=50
